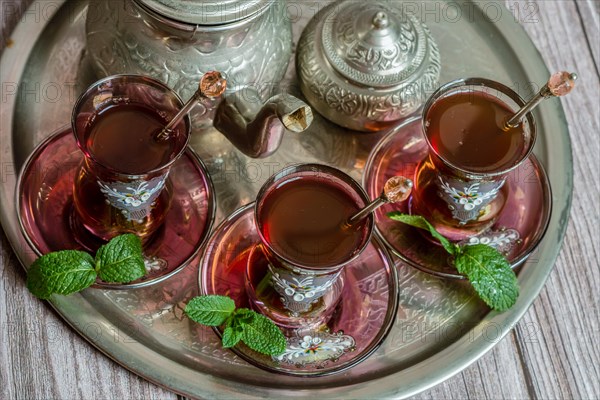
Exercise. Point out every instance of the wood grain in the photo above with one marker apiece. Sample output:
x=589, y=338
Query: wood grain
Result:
x=43, y=358
x=552, y=353
x=562, y=355
x=589, y=13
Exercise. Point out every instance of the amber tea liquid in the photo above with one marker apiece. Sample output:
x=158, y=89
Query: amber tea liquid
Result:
x=120, y=138
x=467, y=130
x=302, y=220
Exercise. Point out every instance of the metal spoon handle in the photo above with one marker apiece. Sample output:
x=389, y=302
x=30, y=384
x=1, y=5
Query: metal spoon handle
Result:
x=395, y=190
x=559, y=84
x=187, y=107
x=212, y=85
x=372, y=206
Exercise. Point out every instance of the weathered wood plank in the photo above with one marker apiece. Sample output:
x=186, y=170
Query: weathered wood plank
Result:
x=43, y=358
x=10, y=11
x=589, y=12
x=559, y=336
x=553, y=352
x=487, y=378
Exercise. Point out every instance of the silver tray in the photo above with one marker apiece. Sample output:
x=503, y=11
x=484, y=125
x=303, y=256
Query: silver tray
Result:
x=440, y=328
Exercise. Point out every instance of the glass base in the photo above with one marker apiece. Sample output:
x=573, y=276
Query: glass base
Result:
x=264, y=298
x=425, y=201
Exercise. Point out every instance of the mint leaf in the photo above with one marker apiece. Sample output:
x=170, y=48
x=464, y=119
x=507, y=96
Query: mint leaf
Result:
x=121, y=259
x=485, y=267
x=419, y=222
x=231, y=336
x=61, y=272
x=490, y=274
x=243, y=316
x=262, y=335
x=210, y=310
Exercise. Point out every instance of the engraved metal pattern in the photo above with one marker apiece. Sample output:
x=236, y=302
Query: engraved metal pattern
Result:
x=298, y=292
x=146, y=331
x=317, y=349
x=123, y=39
x=133, y=198
x=206, y=12
x=502, y=240
x=357, y=106
x=467, y=199
x=398, y=55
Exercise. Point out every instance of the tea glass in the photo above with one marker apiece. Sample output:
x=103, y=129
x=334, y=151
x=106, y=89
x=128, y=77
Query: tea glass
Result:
x=109, y=201
x=292, y=293
x=459, y=201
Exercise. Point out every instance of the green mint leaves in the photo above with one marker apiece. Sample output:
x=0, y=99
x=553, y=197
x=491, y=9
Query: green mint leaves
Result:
x=262, y=335
x=62, y=272
x=485, y=267
x=210, y=310
x=69, y=271
x=232, y=336
x=255, y=330
x=419, y=222
x=490, y=274
x=121, y=259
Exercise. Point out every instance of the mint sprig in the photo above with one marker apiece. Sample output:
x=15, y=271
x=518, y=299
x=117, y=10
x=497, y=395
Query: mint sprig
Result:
x=485, y=267
x=210, y=310
x=262, y=335
x=257, y=331
x=62, y=272
x=419, y=222
x=232, y=336
x=69, y=271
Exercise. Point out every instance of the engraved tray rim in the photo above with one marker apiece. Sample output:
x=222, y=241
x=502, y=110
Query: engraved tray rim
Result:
x=77, y=311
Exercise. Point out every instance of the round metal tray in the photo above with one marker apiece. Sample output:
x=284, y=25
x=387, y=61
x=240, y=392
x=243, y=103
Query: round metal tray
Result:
x=440, y=327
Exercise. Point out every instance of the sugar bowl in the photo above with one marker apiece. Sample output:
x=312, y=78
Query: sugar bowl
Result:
x=365, y=65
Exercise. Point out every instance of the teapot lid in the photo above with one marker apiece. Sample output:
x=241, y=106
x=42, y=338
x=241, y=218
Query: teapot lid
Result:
x=373, y=43
x=206, y=12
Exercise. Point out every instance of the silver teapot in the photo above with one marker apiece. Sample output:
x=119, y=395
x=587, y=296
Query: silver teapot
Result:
x=177, y=41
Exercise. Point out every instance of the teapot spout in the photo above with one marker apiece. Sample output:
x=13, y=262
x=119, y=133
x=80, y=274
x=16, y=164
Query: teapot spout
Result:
x=257, y=128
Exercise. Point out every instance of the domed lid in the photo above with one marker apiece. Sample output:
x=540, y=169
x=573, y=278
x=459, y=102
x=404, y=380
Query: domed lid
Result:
x=373, y=43
x=206, y=12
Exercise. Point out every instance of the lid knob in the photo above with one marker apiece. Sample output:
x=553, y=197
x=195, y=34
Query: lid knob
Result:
x=374, y=43
x=380, y=20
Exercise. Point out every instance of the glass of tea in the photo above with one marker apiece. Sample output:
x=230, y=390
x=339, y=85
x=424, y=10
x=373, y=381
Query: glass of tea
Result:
x=459, y=187
x=122, y=184
x=296, y=274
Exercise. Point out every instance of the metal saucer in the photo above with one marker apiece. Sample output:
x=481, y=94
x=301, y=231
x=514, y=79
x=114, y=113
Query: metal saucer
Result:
x=359, y=324
x=44, y=209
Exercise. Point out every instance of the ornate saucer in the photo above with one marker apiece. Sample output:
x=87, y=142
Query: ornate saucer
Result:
x=44, y=209
x=520, y=227
x=357, y=327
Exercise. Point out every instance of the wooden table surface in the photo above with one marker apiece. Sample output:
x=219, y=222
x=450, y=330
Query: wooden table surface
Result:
x=553, y=353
